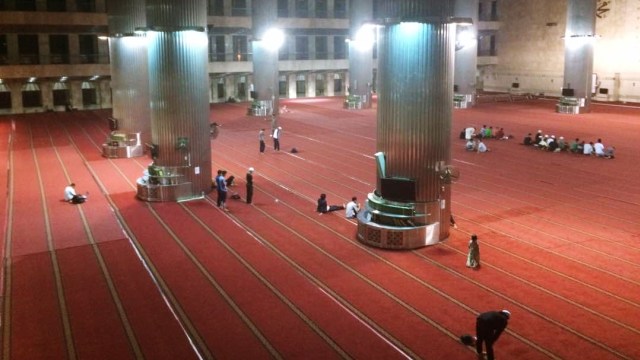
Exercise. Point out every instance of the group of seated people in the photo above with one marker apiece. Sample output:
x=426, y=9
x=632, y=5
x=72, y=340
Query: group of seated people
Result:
x=474, y=139
x=577, y=146
x=351, y=208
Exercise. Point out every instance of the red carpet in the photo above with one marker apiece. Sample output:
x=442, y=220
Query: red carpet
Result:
x=120, y=278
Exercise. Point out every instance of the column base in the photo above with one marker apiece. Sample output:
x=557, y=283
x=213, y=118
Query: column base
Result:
x=399, y=226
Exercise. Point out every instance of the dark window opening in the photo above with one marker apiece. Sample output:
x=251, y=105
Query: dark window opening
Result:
x=216, y=7
x=337, y=85
x=339, y=47
x=56, y=5
x=283, y=8
x=322, y=10
x=240, y=48
x=28, y=49
x=283, y=53
x=239, y=8
x=31, y=98
x=216, y=48
x=221, y=93
x=301, y=88
x=242, y=90
x=282, y=88
x=89, y=97
x=25, y=5
x=302, y=48
x=60, y=97
x=5, y=100
x=59, y=49
x=322, y=52
x=320, y=87
x=4, y=50
x=340, y=9
x=302, y=8
x=86, y=5
x=88, y=49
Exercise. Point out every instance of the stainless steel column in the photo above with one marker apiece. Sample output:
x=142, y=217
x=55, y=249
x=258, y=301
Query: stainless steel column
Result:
x=579, y=42
x=415, y=65
x=178, y=88
x=466, y=58
x=360, y=53
x=265, y=57
x=129, y=79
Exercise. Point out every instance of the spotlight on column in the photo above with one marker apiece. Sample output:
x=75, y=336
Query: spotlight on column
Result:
x=273, y=39
x=464, y=38
x=365, y=37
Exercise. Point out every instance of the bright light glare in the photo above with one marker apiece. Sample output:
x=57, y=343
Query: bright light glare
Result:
x=195, y=38
x=365, y=38
x=133, y=41
x=273, y=38
x=465, y=38
x=410, y=28
x=575, y=42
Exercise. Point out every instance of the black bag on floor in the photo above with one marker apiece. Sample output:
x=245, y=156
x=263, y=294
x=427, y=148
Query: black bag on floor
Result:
x=468, y=340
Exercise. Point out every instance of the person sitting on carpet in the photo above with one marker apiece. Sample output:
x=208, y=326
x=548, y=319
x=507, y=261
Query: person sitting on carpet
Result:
x=71, y=196
x=610, y=152
x=470, y=145
x=324, y=208
x=552, y=145
x=482, y=148
x=598, y=148
x=537, y=138
x=528, y=140
x=352, y=208
x=587, y=149
x=562, y=144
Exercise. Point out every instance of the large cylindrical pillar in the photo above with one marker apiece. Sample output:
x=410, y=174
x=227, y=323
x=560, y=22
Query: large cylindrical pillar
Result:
x=361, y=42
x=178, y=91
x=411, y=205
x=466, y=58
x=579, y=42
x=130, y=121
x=265, y=58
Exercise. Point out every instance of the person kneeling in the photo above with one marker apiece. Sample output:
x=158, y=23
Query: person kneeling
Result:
x=323, y=207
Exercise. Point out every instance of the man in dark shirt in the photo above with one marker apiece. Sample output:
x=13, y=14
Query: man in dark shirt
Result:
x=489, y=326
x=250, y=185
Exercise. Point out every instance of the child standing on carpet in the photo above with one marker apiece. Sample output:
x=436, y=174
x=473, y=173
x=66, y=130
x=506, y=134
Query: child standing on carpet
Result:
x=473, y=258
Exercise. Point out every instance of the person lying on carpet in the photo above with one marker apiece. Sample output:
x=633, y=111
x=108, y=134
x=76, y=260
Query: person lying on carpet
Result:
x=71, y=196
x=324, y=208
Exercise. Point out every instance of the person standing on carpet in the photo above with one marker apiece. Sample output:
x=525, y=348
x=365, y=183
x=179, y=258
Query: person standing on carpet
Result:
x=250, y=185
x=221, y=187
x=473, y=257
x=489, y=327
x=261, y=139
x=276, y=138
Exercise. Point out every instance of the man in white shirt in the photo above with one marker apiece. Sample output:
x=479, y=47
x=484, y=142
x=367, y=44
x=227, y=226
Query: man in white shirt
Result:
x=469, y=133
x=482, y=147
x=276, y=138
x=71, y=196
x=352, y=208
x=588, y=149
x=598, y=148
